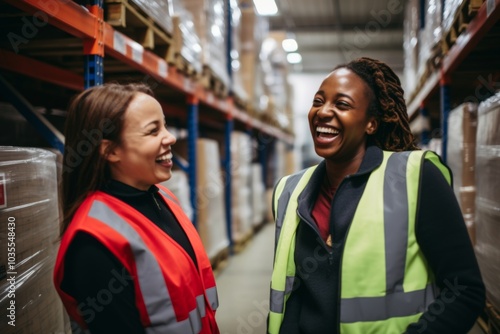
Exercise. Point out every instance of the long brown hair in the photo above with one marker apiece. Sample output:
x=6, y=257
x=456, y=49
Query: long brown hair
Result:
x=388, y=105
x=93, y=115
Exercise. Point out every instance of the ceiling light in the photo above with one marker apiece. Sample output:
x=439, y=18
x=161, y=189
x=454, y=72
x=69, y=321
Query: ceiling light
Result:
x=289, y=45
x=266, y=7
x=294, y=58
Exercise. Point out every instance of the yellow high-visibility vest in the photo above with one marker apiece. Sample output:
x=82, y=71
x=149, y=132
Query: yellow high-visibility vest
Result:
x=381, y=235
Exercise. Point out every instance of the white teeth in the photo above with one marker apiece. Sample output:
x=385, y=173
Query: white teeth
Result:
x=167, y=156
x=327, y=130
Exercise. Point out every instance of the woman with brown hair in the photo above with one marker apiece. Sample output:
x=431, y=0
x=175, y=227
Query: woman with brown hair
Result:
x=372, y=239
x=130, y=261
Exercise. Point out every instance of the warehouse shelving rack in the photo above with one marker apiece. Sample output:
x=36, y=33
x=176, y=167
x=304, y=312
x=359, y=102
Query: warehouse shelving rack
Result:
x=103, y=47
x=474, y=55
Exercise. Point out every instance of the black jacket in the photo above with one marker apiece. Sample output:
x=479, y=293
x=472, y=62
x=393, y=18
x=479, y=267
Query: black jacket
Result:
x=313, y=306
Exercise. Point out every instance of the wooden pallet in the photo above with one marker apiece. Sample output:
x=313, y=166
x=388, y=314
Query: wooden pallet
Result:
x=239, y=102
x=465, y=13
x=239, y=245
x=130, y=20
x=184, y=66
x=210, y=81
x=219, y=261
x=175, y=57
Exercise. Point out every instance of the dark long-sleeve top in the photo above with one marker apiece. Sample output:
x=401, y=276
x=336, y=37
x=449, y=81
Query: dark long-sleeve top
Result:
x=89, y=266
x=313, y=306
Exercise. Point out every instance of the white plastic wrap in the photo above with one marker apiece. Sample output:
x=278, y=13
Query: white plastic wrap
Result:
x=210, y=194
x=191, y=45
x=430, y=35
x=241, y=162
x=259, y=203
x=29, y=229
x=179, y=185
x=450, y=8
x=210, y=24
x=461, y=158
x=488, y=196
x=158, y=10
x=237, y=83
x=410, y=46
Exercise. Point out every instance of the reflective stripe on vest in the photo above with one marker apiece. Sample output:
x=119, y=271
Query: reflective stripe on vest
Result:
x=402, y=291
x=153, y=288
x=167, y=195
x=396, y=205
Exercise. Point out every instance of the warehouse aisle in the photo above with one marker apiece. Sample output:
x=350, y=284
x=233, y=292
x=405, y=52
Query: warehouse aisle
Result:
x=243, y=286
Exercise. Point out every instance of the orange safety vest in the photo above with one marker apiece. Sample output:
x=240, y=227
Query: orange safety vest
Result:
x=171, y=294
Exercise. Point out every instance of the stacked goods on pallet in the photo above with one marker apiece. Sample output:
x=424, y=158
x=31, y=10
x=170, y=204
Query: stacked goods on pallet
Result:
x=29, y=229
x=158, y=10
x=209, y=17
x=456, y=16
x=259, y=204
x=488, y=196
x=238, y=92
x=187, y=45
x=450, y=8
x=429, y=54
x=291, y=161
x=211, y=222
x=241, y=173
x=410, y=47
x=179, y=185
x=461, y=153
x=279, y=112
x=252, y=31
x=148, y=22
x=277, y=164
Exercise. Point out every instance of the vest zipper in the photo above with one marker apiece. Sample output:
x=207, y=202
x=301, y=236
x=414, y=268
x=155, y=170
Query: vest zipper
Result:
x=341, y=255
x=158, y=213
x=314, y=227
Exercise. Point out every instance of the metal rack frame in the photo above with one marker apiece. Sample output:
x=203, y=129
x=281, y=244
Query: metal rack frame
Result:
x=101, y=40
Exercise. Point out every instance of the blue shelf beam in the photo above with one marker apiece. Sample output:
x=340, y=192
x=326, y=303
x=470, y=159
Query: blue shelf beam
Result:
x=425, y=135
x=93, y=71
x=192, y=125
x=228, y=129
x=444, y=86
x=44, y=127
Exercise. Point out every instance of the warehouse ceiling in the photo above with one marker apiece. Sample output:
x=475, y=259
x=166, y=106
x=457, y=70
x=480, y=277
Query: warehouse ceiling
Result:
x=330, y=32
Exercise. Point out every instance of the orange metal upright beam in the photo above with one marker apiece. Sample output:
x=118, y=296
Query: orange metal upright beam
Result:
x=65, y=15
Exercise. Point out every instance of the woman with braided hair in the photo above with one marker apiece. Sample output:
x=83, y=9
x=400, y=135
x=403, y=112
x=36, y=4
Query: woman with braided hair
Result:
x=371, y=240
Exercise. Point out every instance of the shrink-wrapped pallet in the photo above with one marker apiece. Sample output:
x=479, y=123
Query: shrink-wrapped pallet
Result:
x=450, y=8
x=211, y=222
x=241, y=173
x=488, y=196
x=179, y=185
x=259, y=203
x=236, y=83
x=410, y=46
x=461, y=153
x=253, y=29
x=209, y=18
x=429, y=38
x=186, y=41
x=159, y=11
x=29, y=228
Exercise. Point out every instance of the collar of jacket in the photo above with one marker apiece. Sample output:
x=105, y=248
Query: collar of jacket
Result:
x=372, y=159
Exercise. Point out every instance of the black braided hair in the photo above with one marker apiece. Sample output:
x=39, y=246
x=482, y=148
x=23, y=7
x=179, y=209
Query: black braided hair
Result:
x=388, y=105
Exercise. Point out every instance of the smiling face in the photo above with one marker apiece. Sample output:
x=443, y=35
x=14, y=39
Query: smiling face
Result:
x=144, y=156
x=338, y=117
